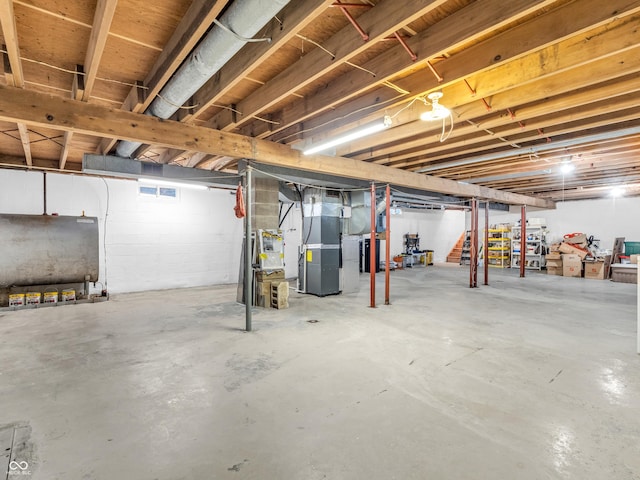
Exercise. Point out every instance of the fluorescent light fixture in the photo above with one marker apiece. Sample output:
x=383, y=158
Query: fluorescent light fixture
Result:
x=617, y=192
x=567, y=168
x=377, y=127
x=437, y=112
x=168, y=183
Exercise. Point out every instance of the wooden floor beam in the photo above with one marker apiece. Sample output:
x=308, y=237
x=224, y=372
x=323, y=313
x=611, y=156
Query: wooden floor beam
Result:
x=34, y=108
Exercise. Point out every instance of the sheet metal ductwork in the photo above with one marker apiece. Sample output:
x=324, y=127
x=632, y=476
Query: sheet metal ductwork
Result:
x=245, y=18
x=320, y=259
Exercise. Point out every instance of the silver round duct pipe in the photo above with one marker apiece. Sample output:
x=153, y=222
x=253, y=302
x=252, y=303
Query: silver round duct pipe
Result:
x=244, y=19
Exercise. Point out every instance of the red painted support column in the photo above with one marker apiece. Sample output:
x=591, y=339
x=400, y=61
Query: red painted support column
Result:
x=471, y=248
x=387, y=253
x=473, y=262
x=372, y=248
x=476, y=245
x=486, y=242
x=523, y=239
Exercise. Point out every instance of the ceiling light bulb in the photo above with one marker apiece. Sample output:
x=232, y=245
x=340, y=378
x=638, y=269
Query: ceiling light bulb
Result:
x=437, y=112
x=567, y=167
x=617, y=191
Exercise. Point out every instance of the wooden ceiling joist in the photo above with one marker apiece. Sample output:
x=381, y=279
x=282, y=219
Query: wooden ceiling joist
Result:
x=54, y=112
x=379, y=22
x=494, y=59
x=475, y=137
x=15, y=76
x=105, y=9
x=10, y=35
x=612, y=76
x=192, y=27
x=466, y=25
x=294, y=17
x=568, y=58
x=551, y=77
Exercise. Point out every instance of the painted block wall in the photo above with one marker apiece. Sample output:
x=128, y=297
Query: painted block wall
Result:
x=158, y=243
x=151, y=243
x=605, y=219
x=438, y=231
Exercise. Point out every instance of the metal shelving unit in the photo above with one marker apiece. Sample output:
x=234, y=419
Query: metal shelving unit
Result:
x=536, y=247
x=499, y=247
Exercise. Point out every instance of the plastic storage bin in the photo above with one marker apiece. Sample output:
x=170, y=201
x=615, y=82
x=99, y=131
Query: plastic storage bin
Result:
x=631, y=248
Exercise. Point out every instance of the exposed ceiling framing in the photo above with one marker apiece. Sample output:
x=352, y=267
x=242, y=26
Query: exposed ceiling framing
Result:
x=532, y=85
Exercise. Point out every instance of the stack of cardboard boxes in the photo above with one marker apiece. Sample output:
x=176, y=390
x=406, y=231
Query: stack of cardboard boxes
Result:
x=572, y=258
x=554, y=263
x=265, y=280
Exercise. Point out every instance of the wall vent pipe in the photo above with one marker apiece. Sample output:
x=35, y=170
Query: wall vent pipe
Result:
x=244, y=18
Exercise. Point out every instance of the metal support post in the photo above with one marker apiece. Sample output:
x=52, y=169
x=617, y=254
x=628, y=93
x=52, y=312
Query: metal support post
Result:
x=248, y=250
x=44, y=193
x=486, y=242
x=475, y=244
x=372, y=248
x=473, y=240
x=523, y=239
x=471, y=248
x=387, y=253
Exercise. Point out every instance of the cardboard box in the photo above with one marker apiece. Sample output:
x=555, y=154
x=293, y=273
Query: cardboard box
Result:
x=595, y=270
x=571, y=265
x=554, y=247
x=554, y=256
x=598, y=269
x=568, y=248
x=269, y=275
x=571, y=259
x=634, y=258
x=554, y=263
x=554, y=271
x=575, y=238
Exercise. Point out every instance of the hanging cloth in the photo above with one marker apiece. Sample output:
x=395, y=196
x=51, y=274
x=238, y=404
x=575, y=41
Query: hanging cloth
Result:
x=239, y=208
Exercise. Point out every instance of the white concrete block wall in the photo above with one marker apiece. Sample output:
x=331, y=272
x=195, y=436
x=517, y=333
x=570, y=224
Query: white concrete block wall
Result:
x=605, y=219
x=438, y=230
x=151, y=243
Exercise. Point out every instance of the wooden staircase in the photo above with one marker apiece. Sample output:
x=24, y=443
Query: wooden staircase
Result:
x=456, y=251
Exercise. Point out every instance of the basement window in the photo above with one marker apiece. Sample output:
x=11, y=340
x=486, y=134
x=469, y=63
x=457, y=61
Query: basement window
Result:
x=156, y=191
x=148, y=190
x=167, y=192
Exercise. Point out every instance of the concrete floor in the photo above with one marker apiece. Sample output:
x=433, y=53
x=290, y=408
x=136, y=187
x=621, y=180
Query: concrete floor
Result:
x=532, y=378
